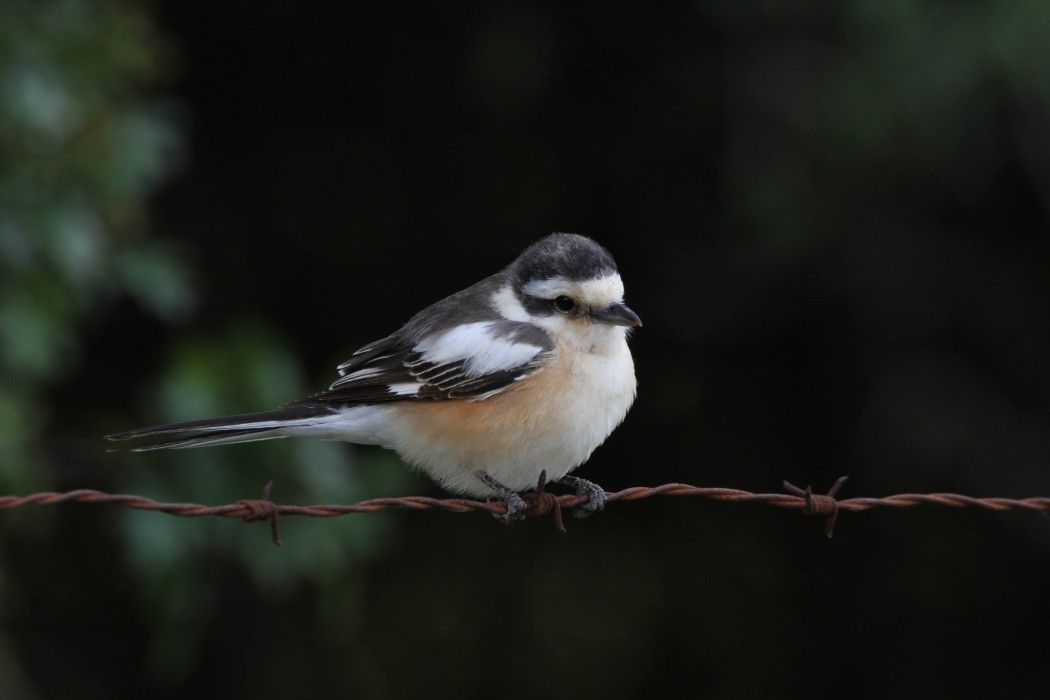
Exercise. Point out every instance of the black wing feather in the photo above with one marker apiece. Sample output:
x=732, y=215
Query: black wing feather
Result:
x=394, y=360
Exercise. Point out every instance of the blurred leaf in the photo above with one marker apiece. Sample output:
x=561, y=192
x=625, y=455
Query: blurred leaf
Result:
x=158, y=279
x=80, y=149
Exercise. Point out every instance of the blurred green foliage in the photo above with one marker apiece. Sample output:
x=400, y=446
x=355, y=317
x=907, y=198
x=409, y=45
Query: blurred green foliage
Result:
x=81, y=148
x=248, y=366
x=827, y=102
x=86, y=136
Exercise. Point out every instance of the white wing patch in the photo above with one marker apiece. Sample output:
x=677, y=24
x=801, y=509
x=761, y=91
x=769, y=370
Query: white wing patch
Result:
x=473, y=361
x=480, y=351
x=405, y=388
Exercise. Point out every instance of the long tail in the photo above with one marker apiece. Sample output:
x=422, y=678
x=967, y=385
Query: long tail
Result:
x=246, y=427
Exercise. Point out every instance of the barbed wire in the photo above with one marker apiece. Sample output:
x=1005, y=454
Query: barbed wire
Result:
x=539, y=501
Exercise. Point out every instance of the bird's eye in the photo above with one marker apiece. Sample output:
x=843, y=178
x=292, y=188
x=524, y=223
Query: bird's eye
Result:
x=564, y=304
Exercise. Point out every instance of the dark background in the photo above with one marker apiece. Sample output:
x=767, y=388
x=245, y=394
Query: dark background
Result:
x=835, y=224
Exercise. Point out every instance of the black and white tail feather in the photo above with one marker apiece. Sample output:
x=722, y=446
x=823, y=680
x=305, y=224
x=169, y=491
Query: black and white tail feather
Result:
x=245, y=427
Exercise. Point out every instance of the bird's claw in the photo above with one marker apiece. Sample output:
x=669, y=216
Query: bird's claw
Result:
x=594, y=492
x=516, y=508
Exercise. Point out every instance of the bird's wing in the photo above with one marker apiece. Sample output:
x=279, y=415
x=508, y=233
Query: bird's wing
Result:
x=470, y=361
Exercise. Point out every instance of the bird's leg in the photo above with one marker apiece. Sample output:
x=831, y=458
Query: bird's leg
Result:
x=585, y=488
x=516, y=506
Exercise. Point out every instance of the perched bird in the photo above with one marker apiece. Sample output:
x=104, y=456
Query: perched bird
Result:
x=526, y=371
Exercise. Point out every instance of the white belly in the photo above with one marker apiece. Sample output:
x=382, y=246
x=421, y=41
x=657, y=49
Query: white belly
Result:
x=551, y=421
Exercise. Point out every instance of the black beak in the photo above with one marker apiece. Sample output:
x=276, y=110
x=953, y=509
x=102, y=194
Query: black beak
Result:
x=618, y=315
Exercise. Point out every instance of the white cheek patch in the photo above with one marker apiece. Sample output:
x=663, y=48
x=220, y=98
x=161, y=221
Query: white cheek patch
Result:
x=474, y=344
x=509, y=307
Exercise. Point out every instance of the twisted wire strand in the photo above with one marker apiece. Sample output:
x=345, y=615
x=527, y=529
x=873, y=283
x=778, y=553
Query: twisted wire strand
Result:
x=539, y=502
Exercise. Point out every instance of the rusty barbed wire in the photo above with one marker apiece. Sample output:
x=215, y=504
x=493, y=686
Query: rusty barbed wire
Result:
x=539, y=501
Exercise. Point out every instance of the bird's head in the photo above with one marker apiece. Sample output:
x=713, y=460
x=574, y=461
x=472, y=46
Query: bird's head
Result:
x=569, y=285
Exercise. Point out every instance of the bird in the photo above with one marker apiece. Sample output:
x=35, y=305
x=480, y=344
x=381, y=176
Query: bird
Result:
x=524, y=373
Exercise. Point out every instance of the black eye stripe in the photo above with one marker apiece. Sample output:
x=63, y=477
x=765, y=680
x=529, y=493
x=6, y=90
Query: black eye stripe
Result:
x=540, y=306
x=536, y=306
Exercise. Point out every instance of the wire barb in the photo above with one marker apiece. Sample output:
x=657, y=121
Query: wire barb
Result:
x=820, y=505
x=540, y=502
x=264, y=509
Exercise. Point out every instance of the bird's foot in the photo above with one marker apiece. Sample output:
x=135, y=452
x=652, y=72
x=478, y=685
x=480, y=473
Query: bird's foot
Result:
x=585, y=488
x=516, y=506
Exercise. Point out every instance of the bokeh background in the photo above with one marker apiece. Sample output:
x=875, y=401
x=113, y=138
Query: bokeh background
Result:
x=834, y=219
